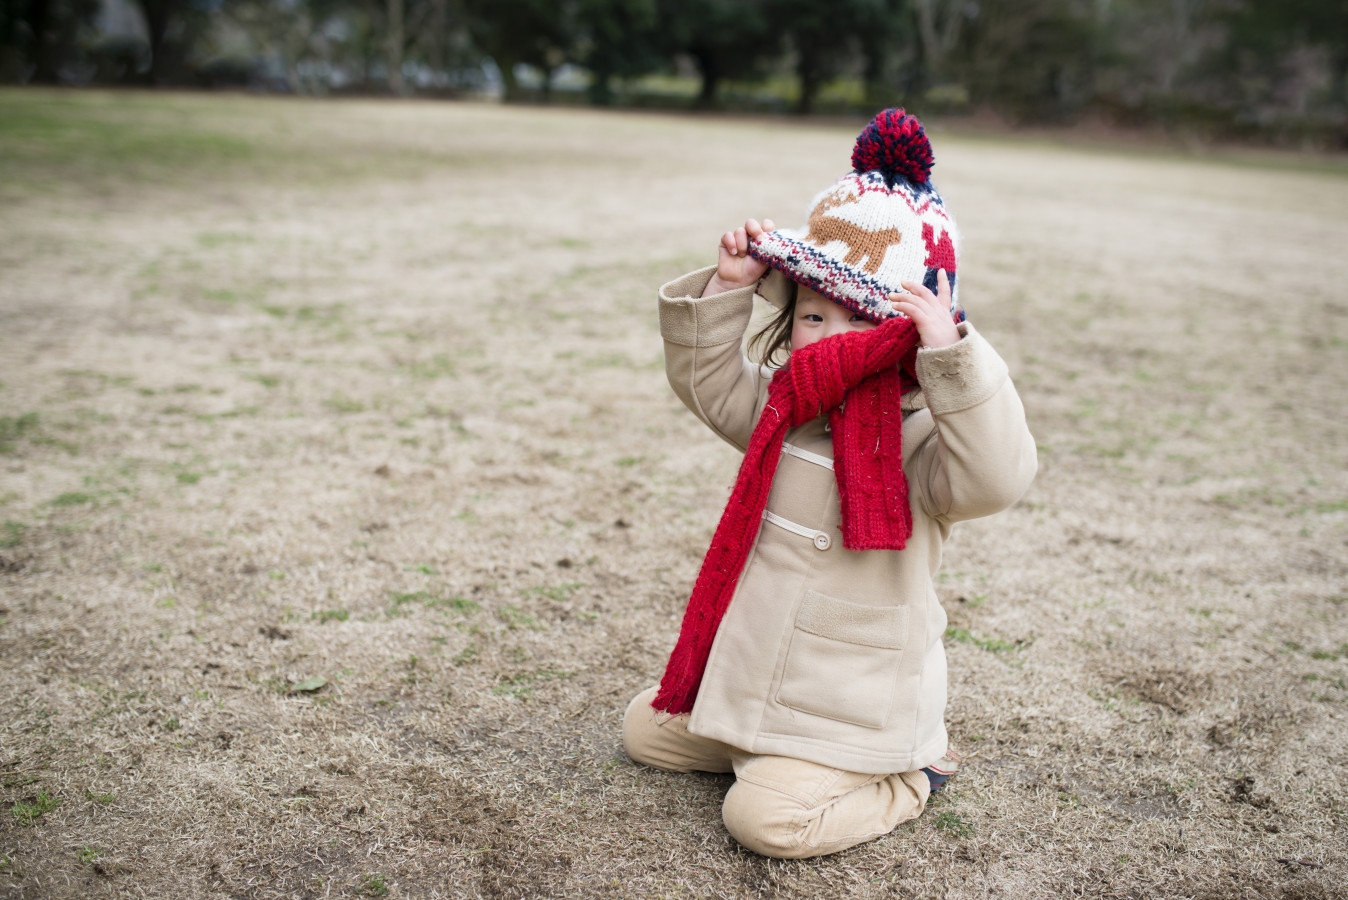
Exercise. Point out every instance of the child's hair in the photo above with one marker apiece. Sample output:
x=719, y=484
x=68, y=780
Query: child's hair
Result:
x=774, y=338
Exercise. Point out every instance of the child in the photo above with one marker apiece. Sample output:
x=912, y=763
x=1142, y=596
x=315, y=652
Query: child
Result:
x=810, y=660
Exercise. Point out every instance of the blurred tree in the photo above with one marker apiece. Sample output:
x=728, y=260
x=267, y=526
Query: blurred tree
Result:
x=615, y=38
x=1265, y=29
x=437, y=33
x=394, y=44
x=37, y=37
x=282, y=28
x=726, y=39
x=889, y=42
x=822, y=37
x=938, y=25
x=1030, y=58
x=439, y=36
x=173, y=27
x=538, y=33
x=422, y=31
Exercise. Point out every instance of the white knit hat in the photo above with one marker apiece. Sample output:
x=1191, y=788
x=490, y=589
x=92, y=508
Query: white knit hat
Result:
x=880, y=225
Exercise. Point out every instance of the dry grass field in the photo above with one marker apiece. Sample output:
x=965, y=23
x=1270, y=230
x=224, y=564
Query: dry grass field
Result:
x=344, y=506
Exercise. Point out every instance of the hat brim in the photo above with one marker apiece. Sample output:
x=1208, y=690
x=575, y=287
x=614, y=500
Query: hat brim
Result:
x=807, y=265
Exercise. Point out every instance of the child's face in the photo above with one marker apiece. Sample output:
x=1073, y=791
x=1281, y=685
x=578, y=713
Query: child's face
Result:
x=818, y=317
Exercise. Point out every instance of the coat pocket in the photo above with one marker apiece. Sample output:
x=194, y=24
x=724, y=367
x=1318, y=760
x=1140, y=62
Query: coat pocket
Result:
x=843, y=660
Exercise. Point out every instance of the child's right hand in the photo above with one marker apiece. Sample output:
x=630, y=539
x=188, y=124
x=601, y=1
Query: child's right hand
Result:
x=735, y=268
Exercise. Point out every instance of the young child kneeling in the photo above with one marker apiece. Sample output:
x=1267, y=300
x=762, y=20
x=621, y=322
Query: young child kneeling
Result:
x=810, y=660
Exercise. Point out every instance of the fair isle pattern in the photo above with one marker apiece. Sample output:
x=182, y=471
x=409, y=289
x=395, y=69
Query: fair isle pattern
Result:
x=805, y=265
x=866, y=235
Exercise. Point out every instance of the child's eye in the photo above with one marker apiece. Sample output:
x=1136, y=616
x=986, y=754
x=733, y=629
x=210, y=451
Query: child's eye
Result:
x=813, y=317
x=858, y=318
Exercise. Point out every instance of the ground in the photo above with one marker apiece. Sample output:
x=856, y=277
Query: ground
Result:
x=345, y=506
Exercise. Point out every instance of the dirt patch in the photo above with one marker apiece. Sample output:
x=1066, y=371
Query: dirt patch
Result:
x=343, y=507
x=1172, y=689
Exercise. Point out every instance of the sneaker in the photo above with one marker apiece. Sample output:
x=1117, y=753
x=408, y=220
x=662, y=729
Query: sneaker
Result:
x=938, y=772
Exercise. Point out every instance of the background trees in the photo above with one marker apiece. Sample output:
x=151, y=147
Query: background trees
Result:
x=723, y=39
x=1219, y=66
x=38, y=38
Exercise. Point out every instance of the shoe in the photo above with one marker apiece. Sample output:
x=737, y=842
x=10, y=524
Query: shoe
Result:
x=938, y=772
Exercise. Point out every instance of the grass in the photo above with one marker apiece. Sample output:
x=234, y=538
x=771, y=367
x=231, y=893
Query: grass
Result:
x=522, y=685
x=28, y=812
x=72, y=498
x=374, y=886
x=461, y=605
x=439, y=366
x=135, y=138
x=513, y=617
x=992, y=645
x=952, y=824
x=559, y=593
x=13, y=428
x=431, y=600
x=11, y=534
x=344, y=405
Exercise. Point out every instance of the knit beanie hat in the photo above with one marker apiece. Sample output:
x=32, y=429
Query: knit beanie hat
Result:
x=881, y=224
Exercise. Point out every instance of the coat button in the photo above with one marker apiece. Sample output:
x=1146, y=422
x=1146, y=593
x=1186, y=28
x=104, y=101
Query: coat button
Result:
x=821, y=541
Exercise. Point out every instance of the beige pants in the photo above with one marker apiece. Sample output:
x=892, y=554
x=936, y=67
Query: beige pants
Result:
x=778, y=806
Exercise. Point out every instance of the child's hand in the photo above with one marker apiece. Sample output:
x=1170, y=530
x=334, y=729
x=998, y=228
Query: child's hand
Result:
x=929, y=312
x=735, y=268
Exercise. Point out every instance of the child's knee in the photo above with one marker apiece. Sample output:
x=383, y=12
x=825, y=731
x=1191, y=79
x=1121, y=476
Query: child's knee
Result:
x=837, y=811
x=663, y=741
x=638, y=727
x=765, y=821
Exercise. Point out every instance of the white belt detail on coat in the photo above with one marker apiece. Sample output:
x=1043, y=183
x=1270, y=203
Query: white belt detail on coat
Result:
x=793, y=450
x=821, y=540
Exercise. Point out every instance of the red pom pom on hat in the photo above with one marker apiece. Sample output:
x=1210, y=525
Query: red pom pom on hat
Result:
x=894, y=143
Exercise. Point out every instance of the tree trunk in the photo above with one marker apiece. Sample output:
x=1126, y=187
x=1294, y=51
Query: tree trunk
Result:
x=156, y=25
x=1339, y=76
x=509, y=85
x=293, y=82
x=601, y=88
x=370, y=44
x=811, y=77
x=938, y=39
x=710, y=70
x=394, y=48
x=872, y=75
x=439, y=28
x=44, y=53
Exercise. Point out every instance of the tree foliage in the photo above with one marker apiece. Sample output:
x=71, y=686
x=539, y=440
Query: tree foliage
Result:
x=38, y=38
x=1033, y=59
x=537, y=33
x=725, y=39
x=615, y=38
x=1224, y=64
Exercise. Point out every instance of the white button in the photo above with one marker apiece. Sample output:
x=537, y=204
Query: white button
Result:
x=821, y=541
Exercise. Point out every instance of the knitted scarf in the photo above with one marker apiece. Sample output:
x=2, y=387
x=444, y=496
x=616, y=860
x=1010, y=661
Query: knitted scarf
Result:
x=856, y=378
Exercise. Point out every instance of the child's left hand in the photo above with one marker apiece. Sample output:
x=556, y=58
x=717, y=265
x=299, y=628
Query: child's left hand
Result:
x=929, y=312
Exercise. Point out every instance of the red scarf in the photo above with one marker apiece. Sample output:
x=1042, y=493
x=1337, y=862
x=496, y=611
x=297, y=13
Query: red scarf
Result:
x=856, y=379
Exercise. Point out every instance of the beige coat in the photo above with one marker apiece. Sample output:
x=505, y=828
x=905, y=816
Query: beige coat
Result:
x=827, y=654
